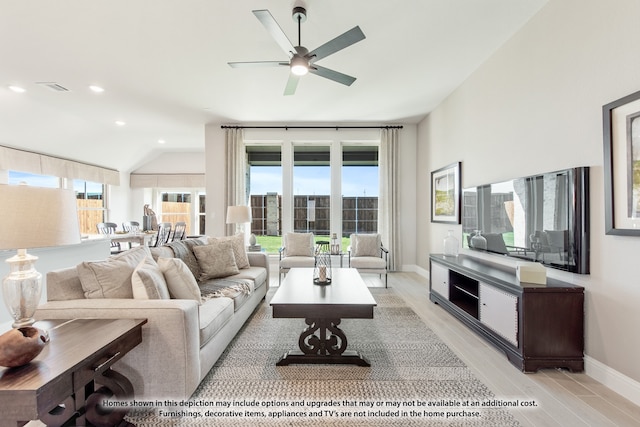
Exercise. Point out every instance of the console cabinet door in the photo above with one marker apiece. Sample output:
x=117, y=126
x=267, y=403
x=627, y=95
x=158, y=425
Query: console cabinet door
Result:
x=440, y=280
x=499, y=312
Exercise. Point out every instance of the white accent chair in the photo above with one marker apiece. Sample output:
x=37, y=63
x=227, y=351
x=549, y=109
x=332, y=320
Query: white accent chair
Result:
x=367, y=254
x=297, y=251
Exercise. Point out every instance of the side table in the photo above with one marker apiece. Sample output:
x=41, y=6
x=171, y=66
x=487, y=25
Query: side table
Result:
x=59, y=386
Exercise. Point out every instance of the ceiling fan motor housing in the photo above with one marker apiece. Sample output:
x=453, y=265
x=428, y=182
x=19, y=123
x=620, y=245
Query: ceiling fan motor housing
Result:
x=299, y=13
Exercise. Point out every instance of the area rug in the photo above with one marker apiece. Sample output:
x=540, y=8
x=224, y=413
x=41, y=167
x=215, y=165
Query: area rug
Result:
x=414, y=379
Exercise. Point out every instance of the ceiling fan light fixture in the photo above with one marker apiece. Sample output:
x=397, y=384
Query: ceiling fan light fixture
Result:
x=299, y=65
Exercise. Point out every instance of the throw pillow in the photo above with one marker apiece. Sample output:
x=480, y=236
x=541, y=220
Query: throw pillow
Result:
x=111, y=278
x=366, y=244
x=216, y=260
x=239, y=250
x=147, y=281
x=299, y=244
x=180, y=281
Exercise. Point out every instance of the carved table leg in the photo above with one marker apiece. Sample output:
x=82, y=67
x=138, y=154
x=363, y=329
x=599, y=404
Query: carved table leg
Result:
x=323, y=342
x=116, y=386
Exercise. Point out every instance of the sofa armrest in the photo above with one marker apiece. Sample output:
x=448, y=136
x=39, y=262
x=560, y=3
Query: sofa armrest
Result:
x=170, y=338
x=260, y=259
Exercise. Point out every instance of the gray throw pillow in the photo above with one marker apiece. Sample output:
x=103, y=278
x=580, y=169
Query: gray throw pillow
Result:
x=239, y=250
x=111, y=278
x=366, y=244
x=216, y=260
x=299, y=244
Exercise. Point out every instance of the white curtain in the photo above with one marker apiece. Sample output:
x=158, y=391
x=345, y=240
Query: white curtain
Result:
x=389, y=203
x=236, y=171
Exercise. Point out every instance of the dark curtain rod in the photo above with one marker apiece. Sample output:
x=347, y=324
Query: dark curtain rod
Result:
x=310, y=127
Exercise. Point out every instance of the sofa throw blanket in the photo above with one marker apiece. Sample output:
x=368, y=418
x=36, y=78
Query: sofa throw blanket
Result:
x=183, y=249
x=230, y=288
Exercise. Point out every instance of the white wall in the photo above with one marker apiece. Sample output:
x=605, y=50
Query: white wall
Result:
x=536, y=106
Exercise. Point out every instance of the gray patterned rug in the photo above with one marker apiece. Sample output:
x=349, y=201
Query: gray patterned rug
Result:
x=414, y=379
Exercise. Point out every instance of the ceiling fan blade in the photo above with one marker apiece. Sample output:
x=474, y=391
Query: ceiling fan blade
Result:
x=332, y=75
x=352, y=36
x=265, y=17
x=292, y=84
x=257, y=64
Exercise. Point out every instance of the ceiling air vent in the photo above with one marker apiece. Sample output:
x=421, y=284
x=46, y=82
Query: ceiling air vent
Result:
x=54, y=86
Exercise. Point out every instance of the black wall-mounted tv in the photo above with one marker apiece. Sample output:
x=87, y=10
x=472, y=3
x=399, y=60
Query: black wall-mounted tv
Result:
x=542, y=218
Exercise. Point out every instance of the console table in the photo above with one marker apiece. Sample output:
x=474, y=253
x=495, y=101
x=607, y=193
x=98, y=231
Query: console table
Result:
x=537, y=326
x=59, y=386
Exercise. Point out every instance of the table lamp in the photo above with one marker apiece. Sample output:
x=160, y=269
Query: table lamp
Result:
x=238, y=215
x=32, y=217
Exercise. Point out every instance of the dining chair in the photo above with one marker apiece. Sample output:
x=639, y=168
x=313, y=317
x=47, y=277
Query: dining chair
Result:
x=131, y=226
x=179, y=231
x=109, y=228
x=164, y=232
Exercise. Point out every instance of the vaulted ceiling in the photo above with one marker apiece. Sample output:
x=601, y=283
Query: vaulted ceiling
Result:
x=163, y=67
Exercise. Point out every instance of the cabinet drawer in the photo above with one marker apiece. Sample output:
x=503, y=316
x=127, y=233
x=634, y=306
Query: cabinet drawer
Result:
x=499, y=312
x=440, y=280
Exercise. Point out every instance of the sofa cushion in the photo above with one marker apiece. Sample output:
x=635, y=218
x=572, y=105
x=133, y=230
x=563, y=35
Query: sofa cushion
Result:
x=239, y=249
x=237, y=290
x=256, y=274
x=147, y=281
x=373, y=262
x=111, y=278
x=180, y=281
x=365, y=244
x=298, y=262
x=299, y=244
x=216, y=260
x=214, y=314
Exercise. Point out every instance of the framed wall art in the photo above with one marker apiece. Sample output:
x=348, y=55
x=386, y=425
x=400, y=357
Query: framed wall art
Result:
x=621, y=135
x=445, y=194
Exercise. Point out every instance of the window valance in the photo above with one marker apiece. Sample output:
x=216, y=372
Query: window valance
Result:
x=27, y=161
x=166, y=180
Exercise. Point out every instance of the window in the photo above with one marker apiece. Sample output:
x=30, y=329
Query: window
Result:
x=90, y=197
x=360, y=188
x=312, y=190
x=264, y=184
x=320, y=187
x=33, y=179
x=176, y=207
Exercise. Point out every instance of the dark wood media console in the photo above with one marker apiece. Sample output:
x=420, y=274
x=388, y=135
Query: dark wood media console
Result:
x=537, y=326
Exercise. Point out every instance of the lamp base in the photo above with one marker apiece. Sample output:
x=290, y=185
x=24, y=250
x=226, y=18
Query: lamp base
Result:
x=21, y=288
x=20, y=346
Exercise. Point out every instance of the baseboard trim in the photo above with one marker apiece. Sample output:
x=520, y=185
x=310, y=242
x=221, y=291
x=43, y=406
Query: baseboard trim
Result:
x=616, y=381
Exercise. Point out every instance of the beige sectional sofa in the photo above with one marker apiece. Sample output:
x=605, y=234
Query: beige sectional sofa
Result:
x=186, y=333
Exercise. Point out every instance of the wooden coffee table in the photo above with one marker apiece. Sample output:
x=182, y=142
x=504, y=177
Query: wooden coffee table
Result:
x=323, y=307
x=59, y=386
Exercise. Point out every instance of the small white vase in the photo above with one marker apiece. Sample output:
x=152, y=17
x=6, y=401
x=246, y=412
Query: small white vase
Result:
x=450, y=244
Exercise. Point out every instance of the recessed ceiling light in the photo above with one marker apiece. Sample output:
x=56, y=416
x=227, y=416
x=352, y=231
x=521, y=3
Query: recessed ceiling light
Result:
x=120, y=123
x=161, y=141
x=96, y=89
x=17, y=89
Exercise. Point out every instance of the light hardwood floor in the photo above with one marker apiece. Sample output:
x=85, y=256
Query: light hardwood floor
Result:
x=563, y=398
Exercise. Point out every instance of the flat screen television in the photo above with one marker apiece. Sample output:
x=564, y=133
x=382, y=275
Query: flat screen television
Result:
x=542, y=218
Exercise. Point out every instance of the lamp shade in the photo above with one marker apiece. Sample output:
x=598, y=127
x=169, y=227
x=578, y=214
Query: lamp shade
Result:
x=238, y=214
x=36, y=217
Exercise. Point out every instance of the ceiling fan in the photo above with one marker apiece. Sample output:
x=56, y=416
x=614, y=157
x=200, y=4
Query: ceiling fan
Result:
x=301, y=60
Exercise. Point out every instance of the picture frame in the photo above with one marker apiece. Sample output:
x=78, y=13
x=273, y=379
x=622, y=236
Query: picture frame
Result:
x=446, y=194
x=621, y=137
